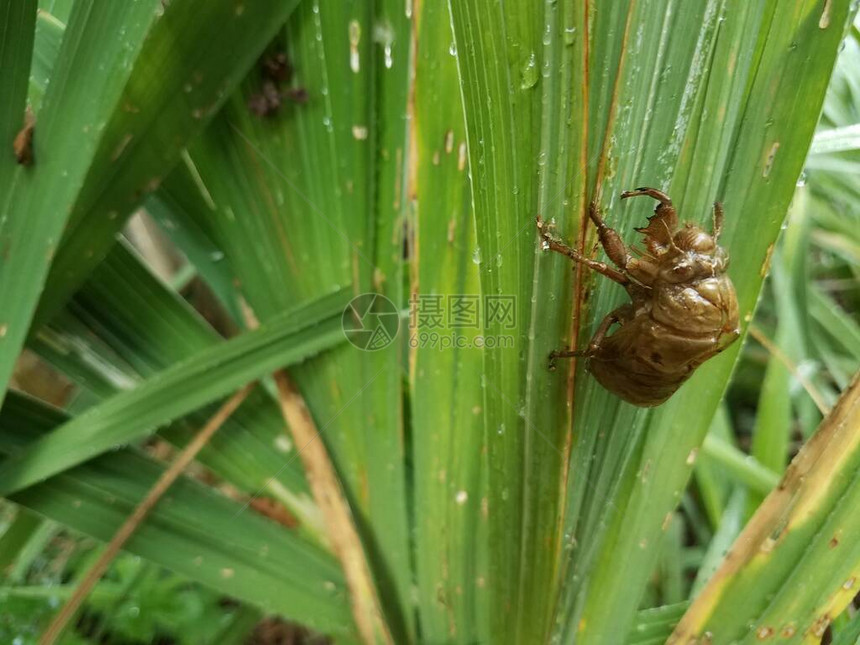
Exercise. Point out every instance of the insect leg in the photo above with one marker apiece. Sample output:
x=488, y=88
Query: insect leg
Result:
x=621, y=314
x=718, y=221
x=610, y=239
x=659, y=195
x=558, y=246
x=661, y=226
x=563, y=353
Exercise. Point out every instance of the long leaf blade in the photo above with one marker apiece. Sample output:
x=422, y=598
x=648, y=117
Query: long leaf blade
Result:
x=319, y=179
x=176, y=84
x=795, y=566
x=193, y=531
x=179, y=390
x=124, y=326
x=101, y=43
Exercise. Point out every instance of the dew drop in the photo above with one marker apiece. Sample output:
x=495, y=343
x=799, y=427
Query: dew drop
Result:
x=547, y=35
x=354, y=39
x=529, y=72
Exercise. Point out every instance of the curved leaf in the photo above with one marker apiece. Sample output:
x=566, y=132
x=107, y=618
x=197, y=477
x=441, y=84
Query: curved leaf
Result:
x=178, y=390
x=193, y=531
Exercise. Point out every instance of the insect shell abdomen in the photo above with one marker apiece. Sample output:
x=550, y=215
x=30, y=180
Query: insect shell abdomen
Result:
x=643, y=362
x=645, y=389
x=647, y=359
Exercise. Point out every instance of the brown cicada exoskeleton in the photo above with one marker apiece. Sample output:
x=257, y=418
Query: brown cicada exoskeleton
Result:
x=683, y=307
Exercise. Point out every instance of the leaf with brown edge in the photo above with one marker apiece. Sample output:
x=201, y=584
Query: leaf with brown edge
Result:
x=796, y=564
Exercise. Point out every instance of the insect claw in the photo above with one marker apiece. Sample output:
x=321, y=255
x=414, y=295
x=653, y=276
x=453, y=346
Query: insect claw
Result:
x=633, y=193
x=567, y=353
x=659, y=195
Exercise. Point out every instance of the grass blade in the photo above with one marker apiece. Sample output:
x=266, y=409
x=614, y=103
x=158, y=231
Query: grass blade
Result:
x=849, y=634
x=133, y=521
x=170, y=88
x=727, y=532
x=17, y=23
x=750, y=157
x=712, y=484
x=742, y=467
x=46, y=48
x=101, y=43
x=689, y=127
x=179, y=390
x=445, y=413
x=124, y=326
x=794, y=567
x=16, y=536
x=195, y=532
x=523, y=106
x=317, y=179
x=841, y=139
x=655, y=625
